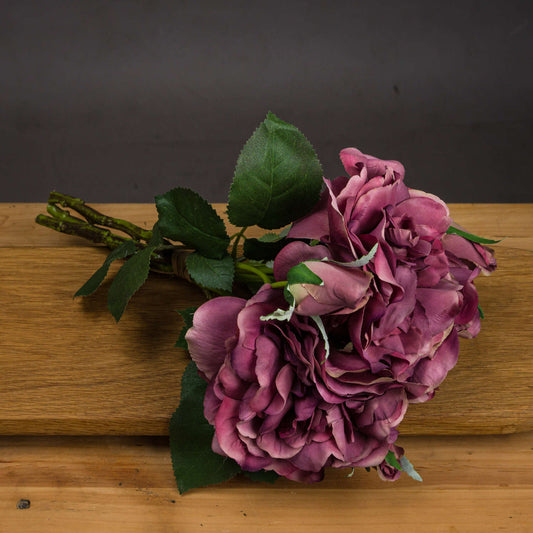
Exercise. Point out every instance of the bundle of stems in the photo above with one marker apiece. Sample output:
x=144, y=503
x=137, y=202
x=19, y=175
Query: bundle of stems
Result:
x=170, y=258
x=95, y=227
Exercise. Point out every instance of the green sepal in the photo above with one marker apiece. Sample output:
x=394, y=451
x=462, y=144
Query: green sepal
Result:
x=301, y=273
x=186, y=217
x=126, y=249
x=277, y=177
x=194, y=463
x=390, y=459
x=215, y=274
x=481, y=313
x=187, y=315
x=470, y=236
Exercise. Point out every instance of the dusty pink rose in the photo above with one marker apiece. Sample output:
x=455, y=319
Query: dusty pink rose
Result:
x=466, y=260
x=276, y=402
x=344, y=290
x=374, y=205
x=270, y=399
x=421, y=292
x=387, y=472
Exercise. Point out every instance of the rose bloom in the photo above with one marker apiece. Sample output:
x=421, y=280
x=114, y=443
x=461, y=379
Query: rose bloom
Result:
x=270, y=397
x=421, y=295
x=466, y=260
x=387, y=472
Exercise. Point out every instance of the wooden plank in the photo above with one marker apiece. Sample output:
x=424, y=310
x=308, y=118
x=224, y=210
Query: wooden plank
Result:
x=474, y=484
x=17, y=226
x=67, y=368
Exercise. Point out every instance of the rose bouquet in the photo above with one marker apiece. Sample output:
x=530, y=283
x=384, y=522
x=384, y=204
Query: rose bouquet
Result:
x=314, y=340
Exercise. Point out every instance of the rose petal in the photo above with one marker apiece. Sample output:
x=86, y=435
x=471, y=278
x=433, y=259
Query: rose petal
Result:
x=214, y=323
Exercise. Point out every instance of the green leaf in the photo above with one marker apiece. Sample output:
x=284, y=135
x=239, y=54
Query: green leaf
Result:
x=390, y=458
x=470, y=236
x=265, y=476
x=301, y=273
x=277, y=178
x=131, y=276
x=187, y=315
x=269, y=237
x=263, y=250
x=216, y=274
x=124, y=250
x=186, y=217
x=128, y=280
x=157, y=238
x=194, y=463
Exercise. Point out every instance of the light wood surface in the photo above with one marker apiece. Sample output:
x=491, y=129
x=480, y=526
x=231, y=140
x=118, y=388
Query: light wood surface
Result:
x=117, y=484
x=67, y=368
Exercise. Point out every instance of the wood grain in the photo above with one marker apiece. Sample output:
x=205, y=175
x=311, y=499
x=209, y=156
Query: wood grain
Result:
x=471, y=484
x=514, y=222
x=67, y=368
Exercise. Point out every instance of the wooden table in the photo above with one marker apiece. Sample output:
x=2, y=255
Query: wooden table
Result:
x=84, y=406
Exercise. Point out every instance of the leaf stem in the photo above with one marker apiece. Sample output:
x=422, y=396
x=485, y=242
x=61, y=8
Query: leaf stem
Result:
x=279, y=284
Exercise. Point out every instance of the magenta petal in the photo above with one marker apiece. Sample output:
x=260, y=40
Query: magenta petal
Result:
x=354, y=160
x=370, y=206
x=268, y=361
x=431, y=372
x=441, y=306
x=286, y=469
x=228, y=439
x=397, y=311
x=468, y=251
x=275, y=447
x=214, y=323
x=344, y=290
x=315, y=455
x=428, y=212
x=383, y=413
x=315, y=224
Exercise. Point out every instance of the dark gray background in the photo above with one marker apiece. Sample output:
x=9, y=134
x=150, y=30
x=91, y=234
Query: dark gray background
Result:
x=119, y=101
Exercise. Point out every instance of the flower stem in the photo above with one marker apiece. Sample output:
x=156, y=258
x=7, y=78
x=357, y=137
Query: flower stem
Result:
x=95, y=217
x=236, y=243
x=64, y=223
x=278, y=284
x=249, y=268
x=72, y=226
